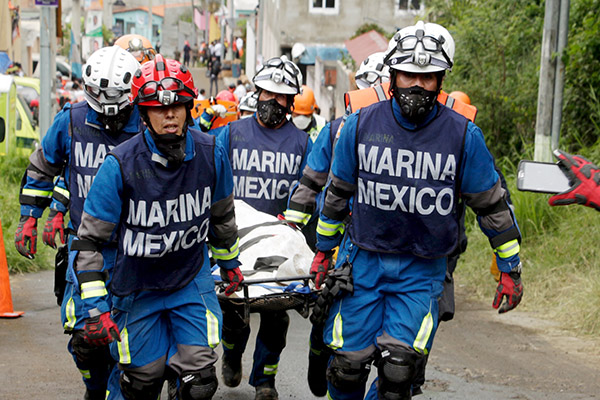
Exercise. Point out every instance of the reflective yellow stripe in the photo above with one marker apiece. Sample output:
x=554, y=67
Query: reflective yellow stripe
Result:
x=93, y=289
x=63, y=192
x=85, y=373
x=325, y=229
x=212, y=329
x=296, y=216
x=205, y=123
x=338, y=338
x=228, y=346
x=508, y=249
x=123, y=346
x=424, y=333
x=270, y=369
x=226, y=254
x=37, y=193
x=70, y=314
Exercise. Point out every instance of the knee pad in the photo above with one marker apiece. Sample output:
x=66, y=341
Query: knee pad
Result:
x=397, y=370
x=133, y=388
x=200, y=385
x=348, y=375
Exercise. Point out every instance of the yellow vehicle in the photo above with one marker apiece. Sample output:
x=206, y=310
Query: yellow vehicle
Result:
x=21, y=134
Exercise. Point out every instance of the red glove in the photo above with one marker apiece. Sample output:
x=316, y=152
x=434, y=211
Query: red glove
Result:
x=320, y=266
x=101, y=330
x=54, y=224
x=510, y=286
x=584, y=177
x=26, y=236
x=234, y=277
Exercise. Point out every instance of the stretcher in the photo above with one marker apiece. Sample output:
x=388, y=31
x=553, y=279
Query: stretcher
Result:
x=275, y=263
x=230, y=106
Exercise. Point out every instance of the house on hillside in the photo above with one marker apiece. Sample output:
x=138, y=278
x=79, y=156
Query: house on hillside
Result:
x=136, y=20
x=316, y=35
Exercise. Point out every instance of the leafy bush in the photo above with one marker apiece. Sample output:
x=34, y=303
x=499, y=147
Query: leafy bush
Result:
x=11, y=171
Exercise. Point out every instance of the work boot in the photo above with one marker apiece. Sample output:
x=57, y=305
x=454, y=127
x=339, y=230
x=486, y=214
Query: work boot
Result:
x=232, y=371
x=94, y=394
x=317, y=369
x=266, y=391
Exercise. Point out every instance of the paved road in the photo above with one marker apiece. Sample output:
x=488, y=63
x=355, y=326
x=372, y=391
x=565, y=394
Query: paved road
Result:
x=479, y=355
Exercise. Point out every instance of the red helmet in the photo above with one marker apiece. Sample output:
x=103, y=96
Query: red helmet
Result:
x=226, y=95
x=162, y=82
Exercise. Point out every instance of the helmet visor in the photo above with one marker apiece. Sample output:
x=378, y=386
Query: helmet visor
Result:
x=149, y=90
x=110, y=93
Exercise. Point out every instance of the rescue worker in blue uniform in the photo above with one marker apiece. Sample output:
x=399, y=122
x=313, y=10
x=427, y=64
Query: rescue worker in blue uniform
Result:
x=404, y=163
x=304, y=200
x=161, y=196
x=75, y=147
x=268, y=154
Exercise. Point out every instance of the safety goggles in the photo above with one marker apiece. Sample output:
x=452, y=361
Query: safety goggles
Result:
x=278, y=76
x=143, y=54
x=430, y=44
x=110, y=93
x=370, y=77
x=149, y=91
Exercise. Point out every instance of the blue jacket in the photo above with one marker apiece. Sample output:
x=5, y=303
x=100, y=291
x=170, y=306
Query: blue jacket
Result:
x=479, y=185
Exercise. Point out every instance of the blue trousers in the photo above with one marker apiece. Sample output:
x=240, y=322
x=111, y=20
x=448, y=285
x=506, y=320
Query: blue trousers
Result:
x=179, y=329
x=94, y=363
x=395, y=298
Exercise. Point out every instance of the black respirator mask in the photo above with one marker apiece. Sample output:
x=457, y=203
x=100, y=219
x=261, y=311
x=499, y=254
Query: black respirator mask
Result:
x=114, y=123
x=270, y=112
x=171, y=145
x=415, y=102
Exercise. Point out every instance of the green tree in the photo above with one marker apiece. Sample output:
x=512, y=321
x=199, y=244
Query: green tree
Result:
x=581, y=109
x=496, y=63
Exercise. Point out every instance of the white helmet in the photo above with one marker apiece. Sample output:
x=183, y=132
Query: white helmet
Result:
x=279, y=75
x=372, y=71
x=248, y=102
x=107, y=77
x=421, y=48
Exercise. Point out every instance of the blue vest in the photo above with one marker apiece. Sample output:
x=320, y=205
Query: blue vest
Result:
x=408, y=183
x=333, y=128
x=265, y=163
x=165, y=217
x=89, y=147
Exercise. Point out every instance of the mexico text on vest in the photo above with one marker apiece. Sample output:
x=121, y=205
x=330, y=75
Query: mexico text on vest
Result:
x=411, y=166
x=90, y=158
x=263, y=165
x=185, y=209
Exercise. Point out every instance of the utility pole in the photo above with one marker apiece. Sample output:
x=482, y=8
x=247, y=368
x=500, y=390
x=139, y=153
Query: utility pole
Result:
x=150, y=22
x=76, y=35
x=231, y=21
x=551, y=84
x=46, y=72
x=559, y=82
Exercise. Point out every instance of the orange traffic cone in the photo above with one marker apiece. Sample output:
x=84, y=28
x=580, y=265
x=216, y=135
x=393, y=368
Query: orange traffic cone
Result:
x=6, y=305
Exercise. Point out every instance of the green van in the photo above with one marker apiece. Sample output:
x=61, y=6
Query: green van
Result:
x=21, y=133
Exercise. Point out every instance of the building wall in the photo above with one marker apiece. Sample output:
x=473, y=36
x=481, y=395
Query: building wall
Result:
x=292, y=21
